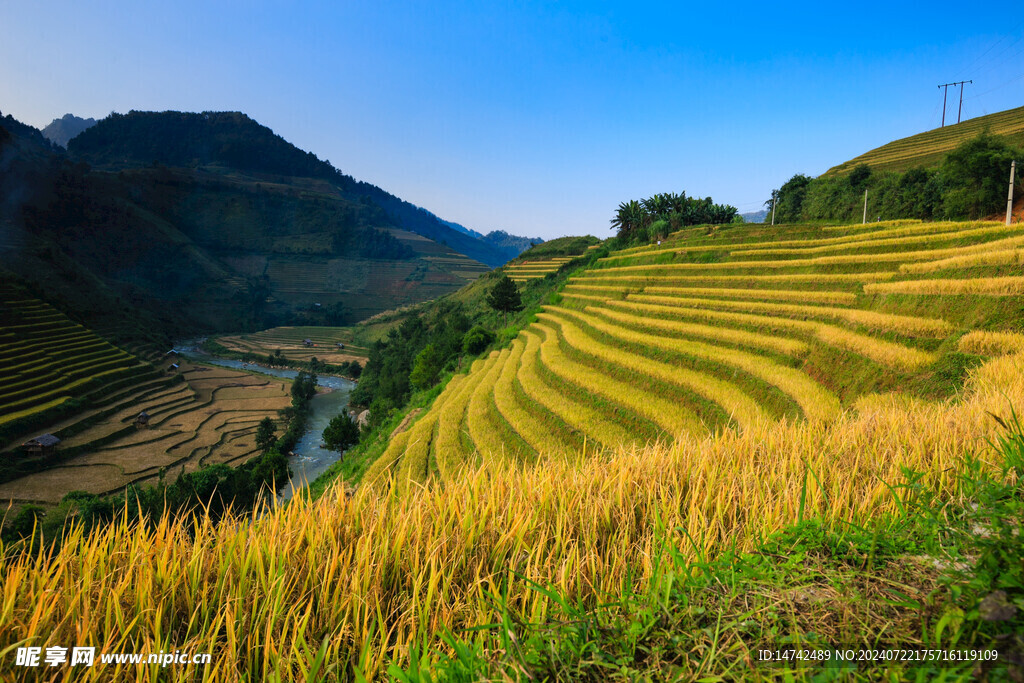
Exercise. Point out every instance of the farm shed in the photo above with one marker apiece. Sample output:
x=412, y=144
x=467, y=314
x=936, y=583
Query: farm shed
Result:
x=41, y=445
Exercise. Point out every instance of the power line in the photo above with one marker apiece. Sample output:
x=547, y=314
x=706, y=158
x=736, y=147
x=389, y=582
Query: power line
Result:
x=1003, y=85
x=967, y=70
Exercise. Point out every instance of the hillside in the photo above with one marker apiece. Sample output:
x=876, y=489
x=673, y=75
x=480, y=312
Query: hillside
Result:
x=723, y=328
x=928, y=149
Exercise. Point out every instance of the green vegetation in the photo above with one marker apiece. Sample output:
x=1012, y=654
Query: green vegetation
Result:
x=969, y=183
x=504, y=297
x=560, y=246
x=341, y=433
x=654, y=218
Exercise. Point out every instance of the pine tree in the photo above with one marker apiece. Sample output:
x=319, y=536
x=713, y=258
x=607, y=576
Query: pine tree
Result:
x=504, y=297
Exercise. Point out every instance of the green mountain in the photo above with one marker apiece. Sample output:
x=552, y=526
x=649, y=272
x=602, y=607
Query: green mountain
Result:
x=225, y=227
x=233, y=142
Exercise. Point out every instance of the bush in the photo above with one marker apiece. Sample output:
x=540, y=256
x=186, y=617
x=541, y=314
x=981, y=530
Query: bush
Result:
x=476, y=340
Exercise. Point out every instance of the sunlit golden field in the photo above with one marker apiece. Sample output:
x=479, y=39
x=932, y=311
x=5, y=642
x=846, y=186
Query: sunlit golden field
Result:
x=618, y=428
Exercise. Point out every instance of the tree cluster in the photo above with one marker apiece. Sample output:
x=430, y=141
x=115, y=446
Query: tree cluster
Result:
x=655, y=217
x=411, y=356
x=969, y=184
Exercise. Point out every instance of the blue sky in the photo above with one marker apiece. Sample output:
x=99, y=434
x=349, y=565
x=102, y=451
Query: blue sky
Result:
x=536, y=118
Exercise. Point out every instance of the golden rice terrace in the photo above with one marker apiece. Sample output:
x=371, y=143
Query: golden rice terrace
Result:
x=727, y=328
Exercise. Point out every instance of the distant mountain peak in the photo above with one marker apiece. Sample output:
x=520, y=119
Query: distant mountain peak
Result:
x=60, y=131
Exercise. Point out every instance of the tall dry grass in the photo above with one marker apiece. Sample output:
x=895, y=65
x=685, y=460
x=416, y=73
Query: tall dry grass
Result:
x=351, y=581
x=988, y=286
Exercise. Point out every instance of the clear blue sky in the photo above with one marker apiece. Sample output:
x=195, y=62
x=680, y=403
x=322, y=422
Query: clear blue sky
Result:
x=537, y=118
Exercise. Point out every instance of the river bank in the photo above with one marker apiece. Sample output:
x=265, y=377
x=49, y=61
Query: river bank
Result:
x=308, y=459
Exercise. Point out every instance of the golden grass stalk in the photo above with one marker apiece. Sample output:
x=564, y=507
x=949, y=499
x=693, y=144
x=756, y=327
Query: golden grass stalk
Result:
x=887, y=353
x=902, y=324
x=672, y=417
x=773, y=294
x=816, y=402
x=991, y=343
x=578, y=415
x=365, y=576
x=783, y=345
x=733, y=400
x=869, y=241
x=535, y=432
x=590, y=276
x=1004, y=257
x=992, y=286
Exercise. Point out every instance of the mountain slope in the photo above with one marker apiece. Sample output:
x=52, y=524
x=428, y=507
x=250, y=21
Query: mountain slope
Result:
x=927, y=149
x=233, y=141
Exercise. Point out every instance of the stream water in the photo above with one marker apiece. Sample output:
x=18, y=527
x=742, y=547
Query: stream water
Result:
x=309, y=460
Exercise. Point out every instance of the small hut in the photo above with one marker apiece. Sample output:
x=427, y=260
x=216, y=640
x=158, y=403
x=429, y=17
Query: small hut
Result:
x=142, y=419
x=308, y=342
x=340, y=345
x=43, y=444
x=173, y=368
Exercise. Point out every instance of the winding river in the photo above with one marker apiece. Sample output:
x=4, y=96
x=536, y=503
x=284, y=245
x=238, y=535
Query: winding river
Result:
x=310, y=460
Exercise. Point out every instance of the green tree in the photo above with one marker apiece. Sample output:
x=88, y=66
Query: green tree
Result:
x=341, y=433
x=504, y=297
x=476, y=340
x=265, y=436
x=790, y=200
x=975, y=176
x=426, y=367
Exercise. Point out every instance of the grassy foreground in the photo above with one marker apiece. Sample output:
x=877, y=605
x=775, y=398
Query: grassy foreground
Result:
x=346, y=586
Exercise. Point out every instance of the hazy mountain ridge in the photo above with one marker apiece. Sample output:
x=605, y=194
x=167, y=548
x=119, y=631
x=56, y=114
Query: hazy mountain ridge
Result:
x=60, y=131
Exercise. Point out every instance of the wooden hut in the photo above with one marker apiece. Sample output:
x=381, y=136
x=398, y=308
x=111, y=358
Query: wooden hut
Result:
x=308, y=342
x=142, y=419
x=44, y=444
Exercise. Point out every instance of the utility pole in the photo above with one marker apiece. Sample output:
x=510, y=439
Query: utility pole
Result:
x=961, y=107
x=946, y=86
x=774, y=202
x=1009, y=198
x=865, y=219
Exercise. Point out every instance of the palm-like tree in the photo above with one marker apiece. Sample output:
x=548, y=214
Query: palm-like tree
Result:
x=629, y=216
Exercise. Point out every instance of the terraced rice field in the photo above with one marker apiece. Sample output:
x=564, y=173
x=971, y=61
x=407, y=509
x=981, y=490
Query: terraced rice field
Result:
x=209, y=418
x=47, y=360
x=523, y=271
x=289, y=340
x=729, y=329
x=198, y=414
x=928, y=148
